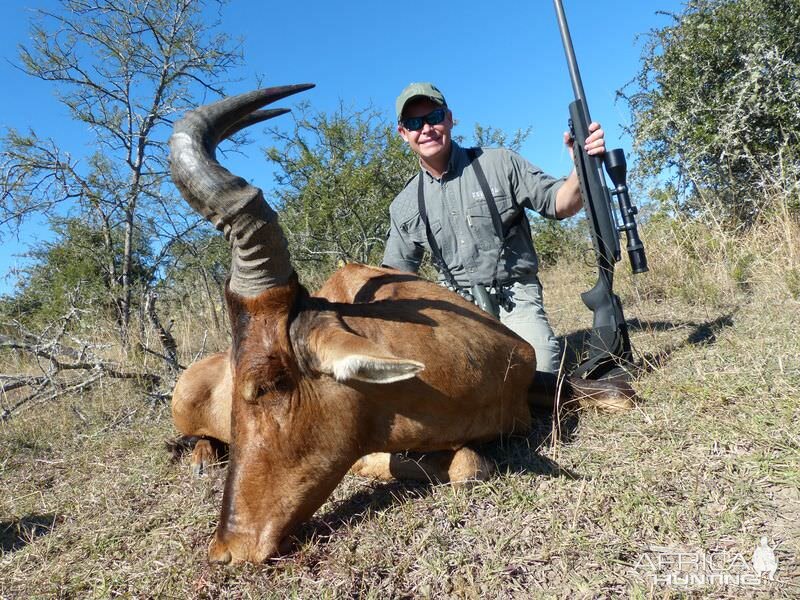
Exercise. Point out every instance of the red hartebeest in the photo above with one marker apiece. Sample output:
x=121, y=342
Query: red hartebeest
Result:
x=379, y=361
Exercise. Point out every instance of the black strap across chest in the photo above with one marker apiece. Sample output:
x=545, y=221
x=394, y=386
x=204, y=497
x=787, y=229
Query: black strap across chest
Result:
x=472, y=154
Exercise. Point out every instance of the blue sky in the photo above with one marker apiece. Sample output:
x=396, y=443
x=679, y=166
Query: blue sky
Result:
x=499, y=63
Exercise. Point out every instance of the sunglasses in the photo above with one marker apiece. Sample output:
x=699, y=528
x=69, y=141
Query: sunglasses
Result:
x=416, y=123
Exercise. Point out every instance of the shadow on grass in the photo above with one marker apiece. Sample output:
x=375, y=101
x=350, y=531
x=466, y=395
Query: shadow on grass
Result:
x=18, y=533
x=360, y=507
x=520, y=453
x=511, y=454
x=701, y=334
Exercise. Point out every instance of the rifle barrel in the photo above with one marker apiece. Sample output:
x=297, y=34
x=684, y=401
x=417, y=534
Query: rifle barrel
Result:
x=572, y=62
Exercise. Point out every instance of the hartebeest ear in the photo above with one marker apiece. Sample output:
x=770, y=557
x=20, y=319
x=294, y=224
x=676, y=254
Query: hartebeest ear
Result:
x=345, y=356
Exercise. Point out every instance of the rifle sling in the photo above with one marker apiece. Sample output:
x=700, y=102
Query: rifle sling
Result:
x=438, y=259
x=436, y=254
x=472, y=153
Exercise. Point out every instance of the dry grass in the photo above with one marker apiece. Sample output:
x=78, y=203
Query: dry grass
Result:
x=91, y=507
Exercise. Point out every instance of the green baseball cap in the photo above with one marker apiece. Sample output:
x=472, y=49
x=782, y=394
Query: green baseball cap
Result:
x=416, y=90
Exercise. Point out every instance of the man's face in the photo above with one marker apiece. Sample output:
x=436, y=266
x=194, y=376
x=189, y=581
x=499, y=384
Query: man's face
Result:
x=432, y=142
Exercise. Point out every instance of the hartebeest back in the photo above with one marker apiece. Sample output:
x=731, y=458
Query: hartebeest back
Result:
x=398, y=364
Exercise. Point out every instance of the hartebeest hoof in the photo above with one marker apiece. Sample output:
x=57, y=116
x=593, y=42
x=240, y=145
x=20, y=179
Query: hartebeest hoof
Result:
x=468, y=467
x=218, y=553
x=203, y=456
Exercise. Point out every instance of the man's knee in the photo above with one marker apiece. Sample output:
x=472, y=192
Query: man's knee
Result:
x=528, y=319
x=548, y=354
x=536, y=330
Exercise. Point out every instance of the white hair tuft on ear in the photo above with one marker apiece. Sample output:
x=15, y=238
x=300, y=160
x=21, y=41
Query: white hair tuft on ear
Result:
x=374, y=370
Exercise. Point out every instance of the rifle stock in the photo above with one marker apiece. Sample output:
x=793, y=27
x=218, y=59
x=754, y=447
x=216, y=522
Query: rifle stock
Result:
x=609, y=345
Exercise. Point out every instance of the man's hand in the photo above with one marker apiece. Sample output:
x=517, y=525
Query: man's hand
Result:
x=568, y=196
x=595, y=144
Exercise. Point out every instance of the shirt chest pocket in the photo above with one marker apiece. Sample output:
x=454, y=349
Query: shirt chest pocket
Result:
x=479, y=220
x=447, y=243
x=418, y=234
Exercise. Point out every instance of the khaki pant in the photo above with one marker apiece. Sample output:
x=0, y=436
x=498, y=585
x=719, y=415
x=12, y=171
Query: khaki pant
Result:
x=528, y=320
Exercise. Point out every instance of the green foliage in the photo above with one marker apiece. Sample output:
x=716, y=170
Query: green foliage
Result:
x=337, y=174
x=202, y=255
x=556, y=240
x=493, y=137
x=123, y=69
x=199, y=265
x=75, y=270
x=717, y=109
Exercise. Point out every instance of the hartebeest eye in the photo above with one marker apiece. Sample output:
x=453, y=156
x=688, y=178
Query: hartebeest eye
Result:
x=281, y=382
x=252, y=391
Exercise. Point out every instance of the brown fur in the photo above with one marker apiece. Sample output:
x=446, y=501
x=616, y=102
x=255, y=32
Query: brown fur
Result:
x=201, y=400
x=295, y=430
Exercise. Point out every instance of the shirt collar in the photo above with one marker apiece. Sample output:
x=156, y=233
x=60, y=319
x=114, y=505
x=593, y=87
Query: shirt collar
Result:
x=457, y=158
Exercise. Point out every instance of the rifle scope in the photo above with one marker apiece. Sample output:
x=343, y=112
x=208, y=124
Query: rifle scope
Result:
x=614, y=160
x=617, y=170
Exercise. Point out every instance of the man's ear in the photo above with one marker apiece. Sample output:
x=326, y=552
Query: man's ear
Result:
x=403, y=133
x=347, y=356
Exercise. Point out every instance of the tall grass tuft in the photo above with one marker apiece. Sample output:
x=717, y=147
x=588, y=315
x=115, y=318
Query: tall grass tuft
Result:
x=700, y=262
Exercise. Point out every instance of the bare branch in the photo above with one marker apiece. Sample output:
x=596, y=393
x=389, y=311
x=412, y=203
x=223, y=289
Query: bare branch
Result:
x=63, y=368
x=164, y=336
x=124, y=69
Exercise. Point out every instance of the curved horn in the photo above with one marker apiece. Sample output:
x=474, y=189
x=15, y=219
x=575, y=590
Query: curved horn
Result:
x=260, y=258
x=253, y=118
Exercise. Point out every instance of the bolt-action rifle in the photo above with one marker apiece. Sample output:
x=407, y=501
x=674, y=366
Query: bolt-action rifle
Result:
x=609, y=345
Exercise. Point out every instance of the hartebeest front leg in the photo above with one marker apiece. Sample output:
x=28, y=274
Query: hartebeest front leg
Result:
x=458, y=467
x=207, y=452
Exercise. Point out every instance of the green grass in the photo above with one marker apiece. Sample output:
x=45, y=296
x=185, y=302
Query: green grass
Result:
x=92, y=507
